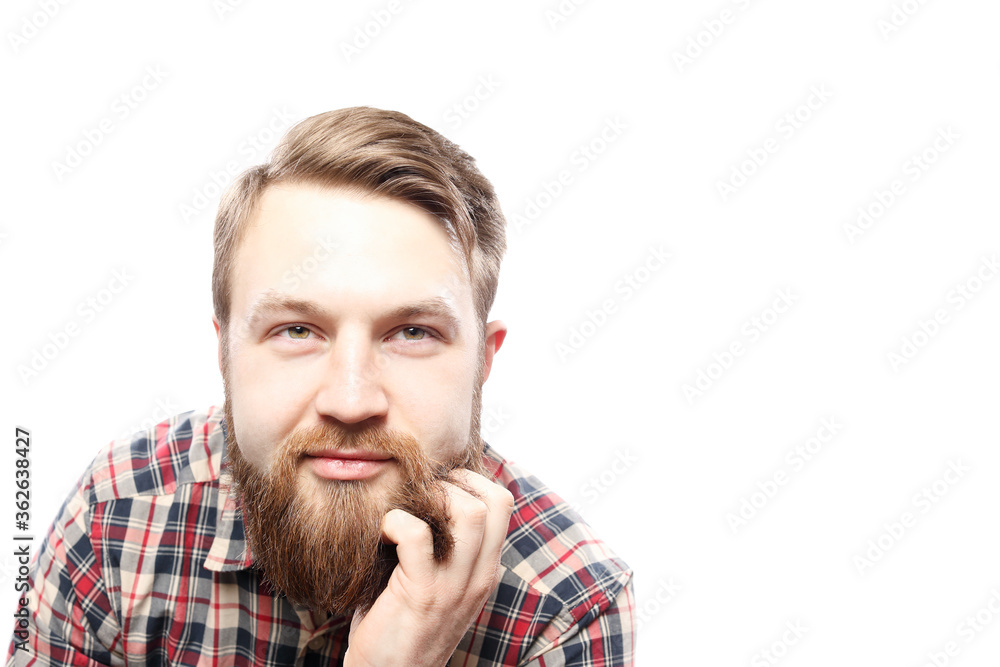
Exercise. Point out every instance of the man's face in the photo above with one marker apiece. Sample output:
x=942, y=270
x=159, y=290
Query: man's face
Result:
x=352, y=315
x=321, y=328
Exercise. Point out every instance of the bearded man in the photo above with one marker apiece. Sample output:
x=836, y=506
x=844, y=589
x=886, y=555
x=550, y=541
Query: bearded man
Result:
x=341, y=507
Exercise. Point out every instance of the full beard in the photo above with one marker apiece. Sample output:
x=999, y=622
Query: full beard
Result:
x=324, y=550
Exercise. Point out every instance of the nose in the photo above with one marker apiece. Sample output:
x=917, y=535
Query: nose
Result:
x=351, y=389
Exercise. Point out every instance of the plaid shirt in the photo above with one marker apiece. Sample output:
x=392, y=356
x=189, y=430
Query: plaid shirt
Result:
x=147, y=564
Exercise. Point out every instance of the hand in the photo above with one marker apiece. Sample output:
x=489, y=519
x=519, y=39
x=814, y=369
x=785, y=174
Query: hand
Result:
x=428, y=606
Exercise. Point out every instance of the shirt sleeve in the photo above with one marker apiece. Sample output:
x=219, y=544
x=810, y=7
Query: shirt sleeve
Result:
x=71, y=620
x=602, y=639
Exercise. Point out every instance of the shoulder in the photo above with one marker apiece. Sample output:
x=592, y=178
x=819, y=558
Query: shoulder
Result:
x=552, y=550
x=184, y=449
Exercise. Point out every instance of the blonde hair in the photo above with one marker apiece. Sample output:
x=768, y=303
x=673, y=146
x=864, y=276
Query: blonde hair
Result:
x=382, y=153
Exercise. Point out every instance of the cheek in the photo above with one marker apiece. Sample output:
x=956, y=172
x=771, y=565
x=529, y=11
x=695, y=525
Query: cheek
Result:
x=435, y=405
x=265, y=409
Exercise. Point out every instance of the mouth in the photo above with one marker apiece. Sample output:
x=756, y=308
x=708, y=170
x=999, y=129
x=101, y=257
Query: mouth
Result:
x=347, y=465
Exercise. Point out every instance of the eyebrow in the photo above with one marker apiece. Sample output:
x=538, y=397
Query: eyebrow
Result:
x=437, y=307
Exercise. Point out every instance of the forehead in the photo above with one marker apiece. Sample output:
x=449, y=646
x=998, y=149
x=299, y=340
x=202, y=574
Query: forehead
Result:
x=311, y=241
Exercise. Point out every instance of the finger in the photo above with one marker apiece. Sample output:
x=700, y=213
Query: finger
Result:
x=468, y=516
x=414, y=544
x=499, y=506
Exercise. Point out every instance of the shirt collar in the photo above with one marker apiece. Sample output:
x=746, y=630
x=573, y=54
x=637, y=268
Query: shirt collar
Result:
x=230, y=551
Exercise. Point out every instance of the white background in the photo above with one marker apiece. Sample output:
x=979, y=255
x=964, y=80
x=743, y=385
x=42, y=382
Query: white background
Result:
x=657, y=472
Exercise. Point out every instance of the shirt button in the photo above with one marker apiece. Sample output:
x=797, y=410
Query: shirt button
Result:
x=317, y=643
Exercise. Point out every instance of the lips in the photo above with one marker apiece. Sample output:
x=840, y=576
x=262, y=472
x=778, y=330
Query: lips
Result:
x=353, y=455
x=347, y=465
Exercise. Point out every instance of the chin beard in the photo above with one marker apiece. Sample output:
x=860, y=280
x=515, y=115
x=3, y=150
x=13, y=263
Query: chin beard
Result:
x=323, y=548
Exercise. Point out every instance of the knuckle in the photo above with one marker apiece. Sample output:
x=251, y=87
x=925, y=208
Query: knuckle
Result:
x=475, y=511
x=409, y=527
x=417, y=530
x=504, y=499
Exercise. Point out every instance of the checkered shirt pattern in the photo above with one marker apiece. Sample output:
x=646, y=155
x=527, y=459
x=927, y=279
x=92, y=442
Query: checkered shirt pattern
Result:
x=147, y=564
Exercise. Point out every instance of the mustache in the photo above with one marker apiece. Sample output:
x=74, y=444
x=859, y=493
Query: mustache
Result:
x=379, y=441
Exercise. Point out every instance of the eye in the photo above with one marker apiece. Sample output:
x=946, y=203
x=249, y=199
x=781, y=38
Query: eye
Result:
x=412, y=333
x=298, y=332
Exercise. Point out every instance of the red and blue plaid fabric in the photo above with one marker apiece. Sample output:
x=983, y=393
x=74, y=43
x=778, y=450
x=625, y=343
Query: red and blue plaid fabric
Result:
x=147, y=565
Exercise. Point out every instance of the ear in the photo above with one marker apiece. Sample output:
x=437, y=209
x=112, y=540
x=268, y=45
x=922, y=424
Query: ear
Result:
x=218, y=335
x=496, y=332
